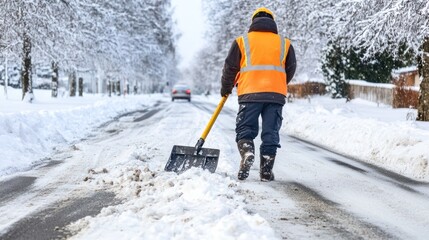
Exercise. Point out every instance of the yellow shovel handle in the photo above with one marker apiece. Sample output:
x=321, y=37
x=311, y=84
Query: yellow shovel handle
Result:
x=214, y=116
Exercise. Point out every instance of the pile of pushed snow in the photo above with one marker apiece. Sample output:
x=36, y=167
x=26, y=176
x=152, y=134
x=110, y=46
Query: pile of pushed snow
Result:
x=164, y=205
x=398, y=145
x=27, y=136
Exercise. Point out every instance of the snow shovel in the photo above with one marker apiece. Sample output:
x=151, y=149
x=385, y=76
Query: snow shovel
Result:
x=183, y=158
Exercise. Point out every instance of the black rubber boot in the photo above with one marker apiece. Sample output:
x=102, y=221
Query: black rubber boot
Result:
x=266, y=168
x=247, y=153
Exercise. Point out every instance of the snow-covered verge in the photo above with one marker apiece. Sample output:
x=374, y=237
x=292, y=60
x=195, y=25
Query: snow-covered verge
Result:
x=379, y=135
x=31, y=132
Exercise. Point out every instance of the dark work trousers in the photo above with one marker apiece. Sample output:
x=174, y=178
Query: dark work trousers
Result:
x=247, y=125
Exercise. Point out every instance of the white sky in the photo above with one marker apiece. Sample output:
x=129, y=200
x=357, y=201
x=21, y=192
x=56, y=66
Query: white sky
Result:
x=190, y=23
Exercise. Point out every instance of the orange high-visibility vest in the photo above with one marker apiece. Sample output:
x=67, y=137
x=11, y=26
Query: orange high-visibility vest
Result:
x=262, y=66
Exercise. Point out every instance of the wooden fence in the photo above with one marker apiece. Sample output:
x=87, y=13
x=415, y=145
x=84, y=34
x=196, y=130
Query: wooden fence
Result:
x=397, y=96
x=303, y=90
x=405, y=97
x=377, y=94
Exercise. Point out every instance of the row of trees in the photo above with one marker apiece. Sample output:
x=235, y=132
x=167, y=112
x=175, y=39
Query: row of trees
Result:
x=129, y=39
x=377, y=26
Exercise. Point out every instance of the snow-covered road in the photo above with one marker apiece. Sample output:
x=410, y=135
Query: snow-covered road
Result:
x=320, y=194
x=317, y=193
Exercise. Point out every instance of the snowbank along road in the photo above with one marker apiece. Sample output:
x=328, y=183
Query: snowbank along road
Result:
x=317, y=193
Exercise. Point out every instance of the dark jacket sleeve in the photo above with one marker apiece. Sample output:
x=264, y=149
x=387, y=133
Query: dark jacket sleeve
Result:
x=231, y=68
x=290, y=64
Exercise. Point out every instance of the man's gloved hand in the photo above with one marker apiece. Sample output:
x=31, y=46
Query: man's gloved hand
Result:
x=224, y=92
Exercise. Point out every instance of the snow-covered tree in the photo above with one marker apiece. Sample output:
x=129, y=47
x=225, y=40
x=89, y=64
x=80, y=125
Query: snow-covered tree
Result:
x=20, y=31
x=377, y=26
x=380, y=25
x=222, y=17
x=333, y=70
x=128, y=40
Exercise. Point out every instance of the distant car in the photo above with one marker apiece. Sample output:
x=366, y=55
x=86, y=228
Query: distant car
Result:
x=181, y=92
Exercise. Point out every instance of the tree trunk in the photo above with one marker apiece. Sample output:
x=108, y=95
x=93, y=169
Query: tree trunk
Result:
x=80, y=87
x=27, y=85
x=54, y=84
x=118, y=88
x=423, y=107
x=72, y=81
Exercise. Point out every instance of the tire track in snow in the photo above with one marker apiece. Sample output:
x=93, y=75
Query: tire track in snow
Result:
x=48, y=223
x=15, y=186
x=45, y=191
x=324, y=195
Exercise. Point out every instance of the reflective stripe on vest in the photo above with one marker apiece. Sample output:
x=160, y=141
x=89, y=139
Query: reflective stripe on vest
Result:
x=250, y=67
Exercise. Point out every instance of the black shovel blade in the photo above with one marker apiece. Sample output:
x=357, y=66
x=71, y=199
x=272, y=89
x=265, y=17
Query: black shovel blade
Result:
x=183, y=158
